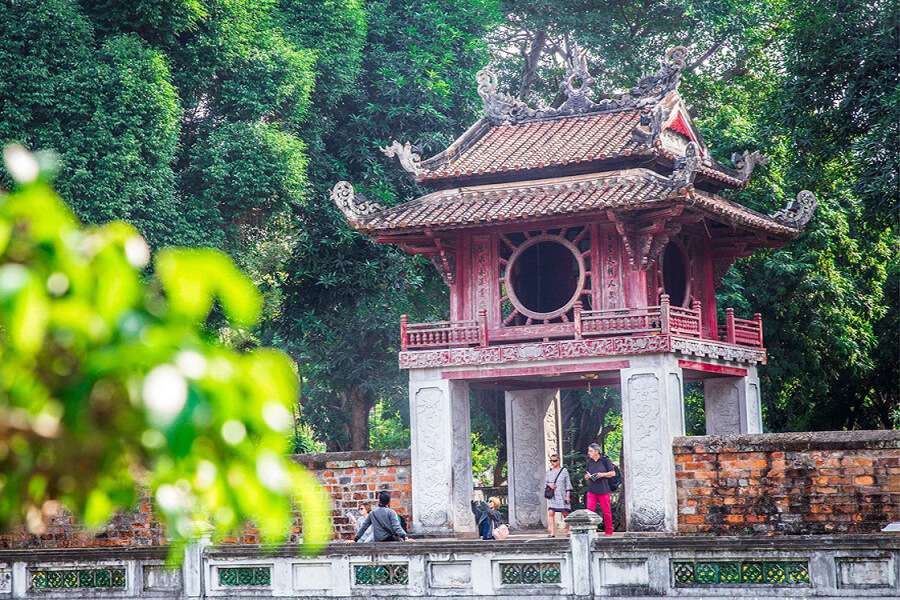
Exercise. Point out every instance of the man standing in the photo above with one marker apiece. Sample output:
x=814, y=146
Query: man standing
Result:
x=384, y=522
x=599, y=471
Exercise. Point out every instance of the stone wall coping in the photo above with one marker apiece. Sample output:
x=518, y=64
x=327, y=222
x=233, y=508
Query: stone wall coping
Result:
x=794, y=441
x=539, y=546
x=740, y=543
x=355, y=459
x=414, y=548
x=88, y=554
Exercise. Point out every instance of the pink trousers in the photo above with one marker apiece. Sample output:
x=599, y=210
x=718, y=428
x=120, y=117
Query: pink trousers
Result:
x=605, y=506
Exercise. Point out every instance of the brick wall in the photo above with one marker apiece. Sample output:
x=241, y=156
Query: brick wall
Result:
x=131, y=528
x=351, y=478
x=355, y=478
x=788, y=483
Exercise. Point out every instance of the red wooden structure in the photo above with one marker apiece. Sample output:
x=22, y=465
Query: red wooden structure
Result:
x=591, y=220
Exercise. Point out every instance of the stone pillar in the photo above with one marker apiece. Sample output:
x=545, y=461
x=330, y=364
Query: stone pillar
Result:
x=652, y=414
x=532, y=434
x=583, y=525
x=441, y=454
x=732, y=404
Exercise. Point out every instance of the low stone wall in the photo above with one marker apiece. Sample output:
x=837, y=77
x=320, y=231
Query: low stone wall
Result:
x=788, y=483
x=351, y=478
x=585, y=566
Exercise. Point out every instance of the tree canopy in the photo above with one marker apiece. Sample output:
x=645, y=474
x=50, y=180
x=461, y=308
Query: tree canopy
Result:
x=224, y=123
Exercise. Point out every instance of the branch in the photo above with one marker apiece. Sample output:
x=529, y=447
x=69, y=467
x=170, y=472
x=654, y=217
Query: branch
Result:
x=531, y=63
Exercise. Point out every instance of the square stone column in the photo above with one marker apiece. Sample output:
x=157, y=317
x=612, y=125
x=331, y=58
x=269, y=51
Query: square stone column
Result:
x=441, y=454
x=652, y=414
x=532, y=435
x=732, y=404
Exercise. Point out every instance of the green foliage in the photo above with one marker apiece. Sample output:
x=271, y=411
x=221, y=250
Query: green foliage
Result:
x=343, y=302
x=814, y=85
x=694, y=409
x=386, y=428
x=484, y=459
x=94, y=358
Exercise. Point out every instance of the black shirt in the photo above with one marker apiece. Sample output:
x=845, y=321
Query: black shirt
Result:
x=601, y=484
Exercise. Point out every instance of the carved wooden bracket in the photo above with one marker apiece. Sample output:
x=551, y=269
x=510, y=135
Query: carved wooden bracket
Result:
x=645, y=236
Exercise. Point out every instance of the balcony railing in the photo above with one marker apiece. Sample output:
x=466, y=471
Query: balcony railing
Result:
x=443, y=334
x=743, y=332
x=663, y=320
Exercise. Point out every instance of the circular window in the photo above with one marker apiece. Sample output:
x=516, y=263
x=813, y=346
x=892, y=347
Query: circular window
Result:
x=545, y=277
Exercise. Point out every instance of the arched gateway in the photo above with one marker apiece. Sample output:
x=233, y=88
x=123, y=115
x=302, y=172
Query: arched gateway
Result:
x=580, y=243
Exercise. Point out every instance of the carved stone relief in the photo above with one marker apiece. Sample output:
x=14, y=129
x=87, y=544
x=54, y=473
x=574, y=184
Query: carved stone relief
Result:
x=433, y=479
x=645, y=460
x=530, y=414
x=723, y=406
x=754, y=417
x=462, y=457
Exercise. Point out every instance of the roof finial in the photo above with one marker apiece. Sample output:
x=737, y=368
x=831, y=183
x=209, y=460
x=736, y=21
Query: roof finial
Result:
x=407, y=154
x=686, y=167
x=354, y=206
x=500, y=107
x=650, y=89
x=746, y=161
x=798, y=211
x=578, y=84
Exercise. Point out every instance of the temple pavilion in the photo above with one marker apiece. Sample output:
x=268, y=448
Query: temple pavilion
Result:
x=580, y=243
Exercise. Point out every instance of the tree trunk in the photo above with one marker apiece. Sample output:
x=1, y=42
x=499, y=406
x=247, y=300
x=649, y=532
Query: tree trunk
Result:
x=360, y=406
x=531, y=63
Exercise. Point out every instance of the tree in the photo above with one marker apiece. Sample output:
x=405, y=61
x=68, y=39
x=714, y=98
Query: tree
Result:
x=109, y=382
x=813, y=85
x=345, y=296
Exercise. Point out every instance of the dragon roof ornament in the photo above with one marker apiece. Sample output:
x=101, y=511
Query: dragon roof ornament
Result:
x=686, y=167
x=354, y=206
x=798, y=211
x=746, y=161
x=577, y=86
x=407, y=154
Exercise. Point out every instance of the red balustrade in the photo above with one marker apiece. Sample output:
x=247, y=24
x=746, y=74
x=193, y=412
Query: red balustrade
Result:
x=664, y=319
x=443, y=334
x=743, y=332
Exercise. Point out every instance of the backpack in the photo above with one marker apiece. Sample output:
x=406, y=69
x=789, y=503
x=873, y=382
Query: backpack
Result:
x=615, y=481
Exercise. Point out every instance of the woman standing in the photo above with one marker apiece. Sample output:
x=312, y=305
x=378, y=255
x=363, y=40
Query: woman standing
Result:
x=558, y=483
x=599, y=471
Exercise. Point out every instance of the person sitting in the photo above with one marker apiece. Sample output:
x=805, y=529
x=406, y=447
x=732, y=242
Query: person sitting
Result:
x=359, y=519
x=486, y=516
x=384, y=521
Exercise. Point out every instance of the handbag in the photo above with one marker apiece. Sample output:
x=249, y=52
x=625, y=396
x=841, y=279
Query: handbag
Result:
x=549, y=492
x=501, y=532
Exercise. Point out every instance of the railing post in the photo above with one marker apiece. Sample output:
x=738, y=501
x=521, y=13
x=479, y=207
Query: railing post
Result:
x=664, y=313
x=583, y=525
x=576, y=313
x=404, y=342
x=758, y=318
x=696, y=306
x=482, y=327
x=729, y=325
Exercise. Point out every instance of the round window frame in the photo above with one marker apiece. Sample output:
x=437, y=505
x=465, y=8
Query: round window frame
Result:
x=510, y=288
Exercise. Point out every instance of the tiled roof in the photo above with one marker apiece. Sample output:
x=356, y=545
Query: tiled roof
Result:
x=537, y=144
x=570, y=140
x=511, y=202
